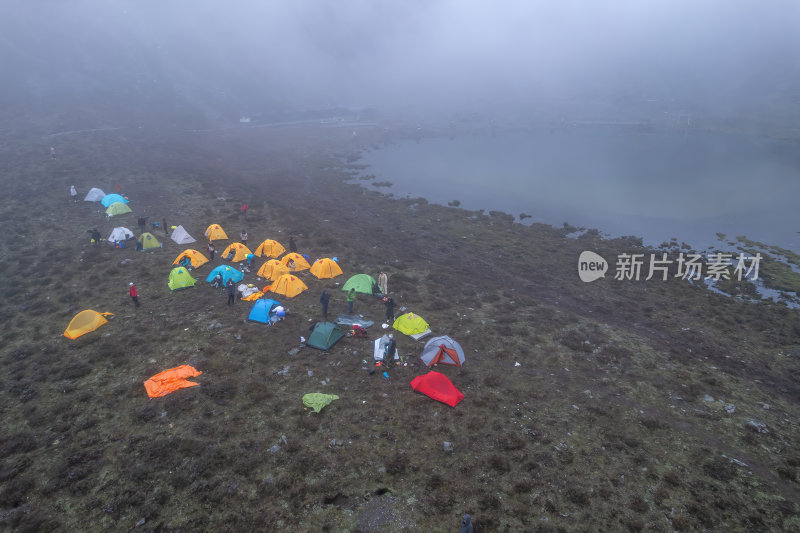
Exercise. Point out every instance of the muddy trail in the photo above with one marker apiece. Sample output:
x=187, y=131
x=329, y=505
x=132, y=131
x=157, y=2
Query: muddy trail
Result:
x=613, y=405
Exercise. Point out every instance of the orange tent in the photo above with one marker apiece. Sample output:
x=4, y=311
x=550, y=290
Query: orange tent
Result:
x=288, y=285
x=300, y=262
x=272, y=270
x=194, y=256
x=270, y=248
x=85, y=322
x=215, y=232
x=239, y=250
x=171, y=380
x=325, y=268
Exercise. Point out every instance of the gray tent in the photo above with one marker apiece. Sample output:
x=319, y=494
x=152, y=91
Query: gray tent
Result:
x=444, y=351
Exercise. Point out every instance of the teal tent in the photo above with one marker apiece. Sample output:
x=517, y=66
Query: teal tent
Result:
x=324, y=335
x=109, y=199
x=227, y=273
x=361, y=283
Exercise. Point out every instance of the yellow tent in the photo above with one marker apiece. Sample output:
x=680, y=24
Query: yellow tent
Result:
x=149, y=241
x=215, y=232
x=288, y=285
x=325, y=268
x=272, y=270
x=270, y=248
x=85, y=322
x=239, y=250
x=300, y=262
x=410, y=324
x=194, y=256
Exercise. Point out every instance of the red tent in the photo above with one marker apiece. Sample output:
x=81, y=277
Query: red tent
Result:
x=438, y=387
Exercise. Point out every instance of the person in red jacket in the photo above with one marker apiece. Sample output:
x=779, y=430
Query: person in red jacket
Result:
x=134, y=293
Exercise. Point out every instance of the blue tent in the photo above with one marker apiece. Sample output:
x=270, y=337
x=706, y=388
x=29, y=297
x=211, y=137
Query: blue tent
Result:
x=262, y=309
x=227, y=273
x=109, y=199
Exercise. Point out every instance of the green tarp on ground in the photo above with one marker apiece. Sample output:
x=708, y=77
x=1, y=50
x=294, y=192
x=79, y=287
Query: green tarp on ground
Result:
x=317, y=400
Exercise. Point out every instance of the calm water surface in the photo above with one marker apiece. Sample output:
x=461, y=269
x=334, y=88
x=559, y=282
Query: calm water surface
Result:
x=656, y=185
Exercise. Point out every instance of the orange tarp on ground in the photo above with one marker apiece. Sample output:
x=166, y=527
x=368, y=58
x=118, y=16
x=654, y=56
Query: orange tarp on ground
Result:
x=171, y=380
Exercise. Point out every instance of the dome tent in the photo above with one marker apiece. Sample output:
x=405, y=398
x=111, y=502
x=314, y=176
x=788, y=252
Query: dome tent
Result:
x=363, y=283
x=179, y=278
x=215, y=233
x=109, y=199
x=442, y=350
x=94, y=195
x=270, y=248
x=227, y=273
x=117, y=208
x=196, y=258
x=325, y=268
x=238, y=251
x=272, y=270
x=324, y=335
x=120, y=234
x=288, y=285
x=148, y=241
x=262, y=310
x=300, y=262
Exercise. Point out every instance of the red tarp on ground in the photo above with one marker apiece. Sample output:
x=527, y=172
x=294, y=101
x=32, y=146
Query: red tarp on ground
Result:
x=171, y=380
x=438, y=387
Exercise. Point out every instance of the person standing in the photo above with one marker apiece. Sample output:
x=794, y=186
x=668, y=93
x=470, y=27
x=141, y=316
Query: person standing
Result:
x=231, y=291
x=351, y=297
x=73, y=192
x=389, y=303
x=52, y=152
x=292, y=244
x=383, y=283
x=466, y=524
x=391, y=347
x=244, y=210
x=133, y=293
x=164, y=223
x=211, y=250
x=243, y=237
x=323, y=300
x=96, y=236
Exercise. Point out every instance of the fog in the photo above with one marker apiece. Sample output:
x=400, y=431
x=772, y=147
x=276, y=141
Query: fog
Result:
x=215, y=60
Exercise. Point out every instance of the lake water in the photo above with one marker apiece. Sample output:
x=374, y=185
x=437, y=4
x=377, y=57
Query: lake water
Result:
x=622, y=181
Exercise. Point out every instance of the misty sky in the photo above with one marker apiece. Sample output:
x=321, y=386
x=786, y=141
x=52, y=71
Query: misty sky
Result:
x=230, y=57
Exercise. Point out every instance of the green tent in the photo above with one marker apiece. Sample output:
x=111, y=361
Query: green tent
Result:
x=179, y=278
x=361, y=283
x=317, y=400
x=117, y=208
x=324, y=335
x=149, y=242
x=410, y=324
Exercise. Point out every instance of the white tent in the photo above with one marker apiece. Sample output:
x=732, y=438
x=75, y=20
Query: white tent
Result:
x=120, y=234
x=94, y=195
x=181, y=236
